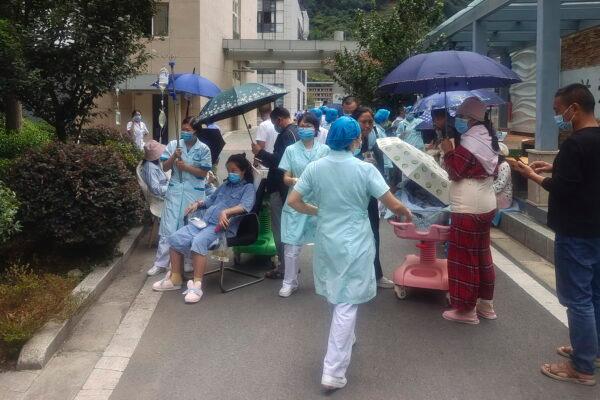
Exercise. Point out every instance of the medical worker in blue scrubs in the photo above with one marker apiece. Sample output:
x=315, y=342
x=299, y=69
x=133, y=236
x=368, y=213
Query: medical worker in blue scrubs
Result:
x=342, y=185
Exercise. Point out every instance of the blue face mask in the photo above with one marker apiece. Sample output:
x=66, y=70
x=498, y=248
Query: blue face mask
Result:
x=410, y=117
x=306, y=133
x=234, y=178
x=137, y=118
x=186, y=136
x=461, y=125
x=356, y=151
x=562, y=124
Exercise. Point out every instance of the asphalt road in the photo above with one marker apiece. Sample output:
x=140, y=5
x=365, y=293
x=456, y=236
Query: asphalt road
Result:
x=251, y=344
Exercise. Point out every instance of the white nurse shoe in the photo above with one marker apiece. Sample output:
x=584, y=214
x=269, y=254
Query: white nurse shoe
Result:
x=332, y=383
x=287, y=290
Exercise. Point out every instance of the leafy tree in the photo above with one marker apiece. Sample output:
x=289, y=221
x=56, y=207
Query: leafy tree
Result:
x=63, y=54
x=385, y=40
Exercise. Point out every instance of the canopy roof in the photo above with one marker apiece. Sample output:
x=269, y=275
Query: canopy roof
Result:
x=511, y=24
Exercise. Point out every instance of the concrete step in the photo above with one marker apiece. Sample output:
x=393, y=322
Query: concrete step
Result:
x=533, y=235
x=530, y=262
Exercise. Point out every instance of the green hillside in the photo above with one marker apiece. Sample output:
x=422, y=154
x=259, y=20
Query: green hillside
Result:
x=327, y=16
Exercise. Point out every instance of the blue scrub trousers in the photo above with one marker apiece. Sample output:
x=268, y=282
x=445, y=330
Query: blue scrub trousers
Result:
x=191, y=238
x=577, y=266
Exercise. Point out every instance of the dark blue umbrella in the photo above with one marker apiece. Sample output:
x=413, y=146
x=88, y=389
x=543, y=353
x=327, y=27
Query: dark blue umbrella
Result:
x=455, y=98
x=192, y=84
x=443, y=71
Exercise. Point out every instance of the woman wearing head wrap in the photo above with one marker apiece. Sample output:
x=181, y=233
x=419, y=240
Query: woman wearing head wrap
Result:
x=471, y=166
x=298, y=229
x=342, y=186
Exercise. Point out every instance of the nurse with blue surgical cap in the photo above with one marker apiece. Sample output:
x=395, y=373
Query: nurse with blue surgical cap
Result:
x=407, y=130
x=331, y=114
x=381, y=118
x=341, y=185
x=318, y=114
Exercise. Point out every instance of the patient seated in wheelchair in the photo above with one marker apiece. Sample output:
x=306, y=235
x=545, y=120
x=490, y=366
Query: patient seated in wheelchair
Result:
x=234, y=197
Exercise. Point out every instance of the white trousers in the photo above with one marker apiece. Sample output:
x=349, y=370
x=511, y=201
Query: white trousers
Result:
x=292, y=256
x=341, y=339
x=163, y=258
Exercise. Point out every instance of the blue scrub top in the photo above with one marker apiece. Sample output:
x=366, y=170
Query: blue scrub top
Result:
x=342, y=186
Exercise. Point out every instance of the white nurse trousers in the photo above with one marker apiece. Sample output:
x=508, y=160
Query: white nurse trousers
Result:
x=341, y=339
x=292, y=256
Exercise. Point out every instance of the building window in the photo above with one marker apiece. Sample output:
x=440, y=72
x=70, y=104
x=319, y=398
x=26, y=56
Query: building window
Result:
x=159, y=25
x=269, y=19
x=237, y=21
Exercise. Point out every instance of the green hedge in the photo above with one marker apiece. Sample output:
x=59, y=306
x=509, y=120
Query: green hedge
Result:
x=9, y=207
x=33, y=135
x=76, y=195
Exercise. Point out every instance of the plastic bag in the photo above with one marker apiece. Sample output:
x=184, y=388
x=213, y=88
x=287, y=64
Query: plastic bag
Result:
x=222, y=252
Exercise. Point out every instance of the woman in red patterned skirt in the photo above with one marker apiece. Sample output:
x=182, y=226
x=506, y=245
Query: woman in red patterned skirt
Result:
x=471, y=166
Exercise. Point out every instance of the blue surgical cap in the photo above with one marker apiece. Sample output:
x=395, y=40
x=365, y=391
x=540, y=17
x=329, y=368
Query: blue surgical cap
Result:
x=381, y=115
x=342, y=132
x=316, y=112
x=331, y=115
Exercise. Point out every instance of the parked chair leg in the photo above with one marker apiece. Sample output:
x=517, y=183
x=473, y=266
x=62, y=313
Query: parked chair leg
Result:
x=222, y=268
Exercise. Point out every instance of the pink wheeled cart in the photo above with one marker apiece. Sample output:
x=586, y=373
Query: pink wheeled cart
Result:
x=424, y=271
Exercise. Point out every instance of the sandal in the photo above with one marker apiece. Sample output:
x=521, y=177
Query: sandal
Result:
x=274, y=274
x=566, y=351
x=566, y=373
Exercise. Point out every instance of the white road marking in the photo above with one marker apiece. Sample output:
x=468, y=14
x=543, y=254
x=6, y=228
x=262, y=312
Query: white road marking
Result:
x=539, y=293
x=108, y=370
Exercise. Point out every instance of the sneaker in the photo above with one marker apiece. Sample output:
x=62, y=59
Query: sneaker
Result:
x=385, y=283
x=193, y=294
x=332, y=383
x=463, y=317
x=287, y=290
x=156, y=270
x=486, y=310
x=165, y=284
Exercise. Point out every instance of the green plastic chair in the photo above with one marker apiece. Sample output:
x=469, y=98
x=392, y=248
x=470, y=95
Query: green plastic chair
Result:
x=265, y=244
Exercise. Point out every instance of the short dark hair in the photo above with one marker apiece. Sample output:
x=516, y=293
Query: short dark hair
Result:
x=577, y=93
x=349, y=100
x=360, y=111
x=135, y=111
x=311, y=119
x=187, y=120
x=280, y=112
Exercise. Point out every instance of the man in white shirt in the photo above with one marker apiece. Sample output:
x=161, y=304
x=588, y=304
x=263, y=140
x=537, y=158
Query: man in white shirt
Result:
x=266, y=133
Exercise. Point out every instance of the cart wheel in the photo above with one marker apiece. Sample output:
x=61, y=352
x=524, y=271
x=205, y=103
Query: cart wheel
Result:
x=237, y=258
x=401, y=292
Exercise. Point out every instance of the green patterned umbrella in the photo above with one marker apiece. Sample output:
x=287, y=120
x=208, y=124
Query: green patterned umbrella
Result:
x=238, y=100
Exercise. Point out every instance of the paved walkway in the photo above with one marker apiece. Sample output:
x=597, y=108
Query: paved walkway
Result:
x=251, y=344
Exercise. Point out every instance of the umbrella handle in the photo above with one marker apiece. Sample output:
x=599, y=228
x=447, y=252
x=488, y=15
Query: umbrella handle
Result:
x=246, y=123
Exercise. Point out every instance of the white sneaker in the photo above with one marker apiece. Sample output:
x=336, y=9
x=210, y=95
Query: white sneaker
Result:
x=193, y=294
x=385, y=283
x=332, y=383
x=287, y=290
x=165, y=284
x=155, y=271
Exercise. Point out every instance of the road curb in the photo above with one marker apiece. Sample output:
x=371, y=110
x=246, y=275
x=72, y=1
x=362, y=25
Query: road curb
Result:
x=41, y=347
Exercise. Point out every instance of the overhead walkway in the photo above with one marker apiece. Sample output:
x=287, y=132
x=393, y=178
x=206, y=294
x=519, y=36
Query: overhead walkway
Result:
x=284, y=54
